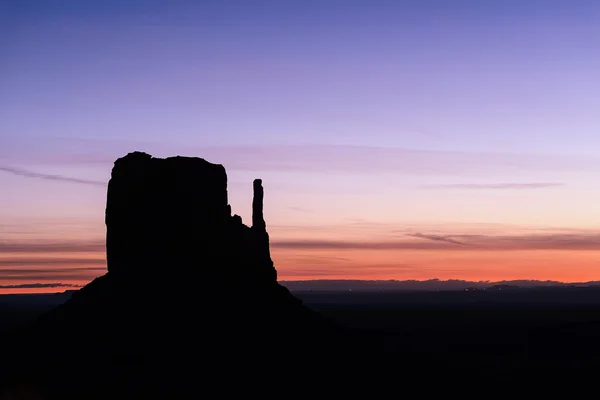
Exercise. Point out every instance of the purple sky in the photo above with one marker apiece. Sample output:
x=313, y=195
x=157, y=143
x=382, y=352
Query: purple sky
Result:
x=435, y=115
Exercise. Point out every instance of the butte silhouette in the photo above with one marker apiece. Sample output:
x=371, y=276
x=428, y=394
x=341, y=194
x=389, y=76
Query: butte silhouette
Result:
x=190, y=300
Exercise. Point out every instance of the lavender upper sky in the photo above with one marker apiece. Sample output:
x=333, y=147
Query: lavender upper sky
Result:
x=399, y=113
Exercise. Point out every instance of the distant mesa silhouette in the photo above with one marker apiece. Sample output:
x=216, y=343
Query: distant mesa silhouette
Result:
x=168, y=217
x=190, y=292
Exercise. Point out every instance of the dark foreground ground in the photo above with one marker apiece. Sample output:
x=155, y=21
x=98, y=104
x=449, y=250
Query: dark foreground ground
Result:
x=470, y=327
x=545, y=334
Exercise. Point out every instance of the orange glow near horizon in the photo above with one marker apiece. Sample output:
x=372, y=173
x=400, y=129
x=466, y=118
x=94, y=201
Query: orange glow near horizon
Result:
x=556, y=265
x=355, y=264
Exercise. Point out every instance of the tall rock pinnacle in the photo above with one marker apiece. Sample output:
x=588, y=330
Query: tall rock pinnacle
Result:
x=258, y=219
x=259, y=230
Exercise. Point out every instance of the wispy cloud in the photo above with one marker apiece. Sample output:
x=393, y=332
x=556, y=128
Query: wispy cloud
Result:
x=75, y=274
x=17, y=261
x=558, y=241
x=312, y=158
x=531, y=185
x=317, y=244
x=38, y=175
x=333, y=272
x=39, y=285
x=369, y=159
x=73, y=246
x=583, y=241
x=313, y=260
x=315, y=272
x=19, y=271
x=571, y=240
x=436, y=238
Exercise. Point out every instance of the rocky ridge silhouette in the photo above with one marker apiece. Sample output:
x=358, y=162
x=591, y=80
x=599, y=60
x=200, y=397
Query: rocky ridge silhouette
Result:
x=190, y=297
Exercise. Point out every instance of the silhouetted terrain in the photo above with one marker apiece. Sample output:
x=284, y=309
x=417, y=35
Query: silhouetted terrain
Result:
x=190, y=297
x=528, y=334
x=17, y=310
x=191, y=305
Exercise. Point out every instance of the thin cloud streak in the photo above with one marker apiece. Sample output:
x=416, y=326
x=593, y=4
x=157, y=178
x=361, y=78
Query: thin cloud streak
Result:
x=370, y=159
x=74, y=276
x=359, y=245
x=14, y=262
x=73, y=246
x=38, y=175
x=470, y=242
x=39, y=285
x=17, y=271
x=318, y=158
x=478, y=243
x=467, y=242
x=501, y=186
x=311, y=244
x=436, y=238
x=343, y=273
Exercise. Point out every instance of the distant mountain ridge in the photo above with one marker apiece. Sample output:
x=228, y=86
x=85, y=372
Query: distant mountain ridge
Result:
x=379, y=285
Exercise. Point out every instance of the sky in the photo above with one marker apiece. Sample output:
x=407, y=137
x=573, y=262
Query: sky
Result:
x=450, y=139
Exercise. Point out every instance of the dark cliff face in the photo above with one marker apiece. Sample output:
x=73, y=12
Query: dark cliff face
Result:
x=186, y=281
x=168, y=218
